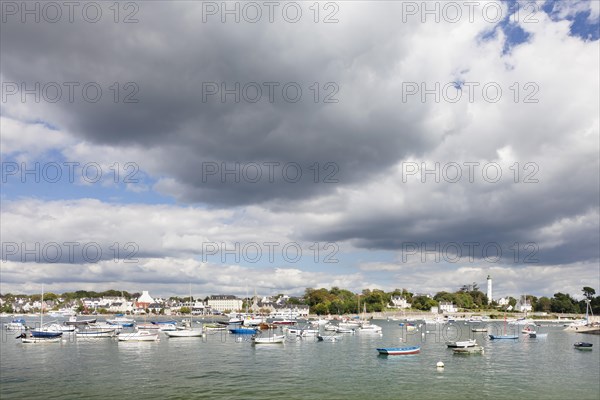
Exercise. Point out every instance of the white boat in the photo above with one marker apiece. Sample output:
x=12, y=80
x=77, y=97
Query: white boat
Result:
x=31, y=339
x=330, y=327
x=462, y=343
x=308, y=332
x=275, y=339
x=469, y=350
x=95, y=332
x=123, y=321
x=184, y=333
x=139, y=336
x=56, y=327
x=319, y=322
x=434, y=321
x=148, y=327
x=213, y=327
x=329, y=338
x=254, y=320
x=292, y=331
x=349, y=324
x=370, y=328
x=344, y=330
x=73, y=321
x=15, y=325
x=167, y=327
x=522, y=322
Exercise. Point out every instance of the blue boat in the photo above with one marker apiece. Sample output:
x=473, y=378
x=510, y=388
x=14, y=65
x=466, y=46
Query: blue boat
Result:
x=45, y=334
x=243, y=331
x=500, y=337
x=173, y=322
x=399, y=351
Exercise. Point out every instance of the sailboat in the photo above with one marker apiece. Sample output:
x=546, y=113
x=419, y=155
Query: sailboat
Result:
x=504, y=336
x=42, y=335
x=188, y=330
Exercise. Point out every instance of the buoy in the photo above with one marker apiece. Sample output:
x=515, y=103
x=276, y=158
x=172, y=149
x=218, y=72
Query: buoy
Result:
x=440, y=364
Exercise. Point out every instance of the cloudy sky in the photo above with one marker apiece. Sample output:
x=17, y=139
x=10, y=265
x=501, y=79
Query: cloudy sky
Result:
x=289, y=145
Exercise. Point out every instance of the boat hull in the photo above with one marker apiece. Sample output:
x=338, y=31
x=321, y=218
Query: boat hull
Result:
x=81, y=323
x=243, y=331
x=468, y=350
x=399, y=351
x=136, y=337
x=46, y=334
x=583, y=346
x=463, y=343
x=503, y=337
x=183, y=333
x=322, y=338
x=31, y=340
x=101, y=333
x=278, y=339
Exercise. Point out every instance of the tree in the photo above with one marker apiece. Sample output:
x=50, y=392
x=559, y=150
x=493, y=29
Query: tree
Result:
x=423, y=303
x=563, y=303
x=185, y=310
x=588, y=292
x=543, y=304
x=321, y=309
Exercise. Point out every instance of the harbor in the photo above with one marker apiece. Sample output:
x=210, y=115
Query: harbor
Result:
x=225, y=365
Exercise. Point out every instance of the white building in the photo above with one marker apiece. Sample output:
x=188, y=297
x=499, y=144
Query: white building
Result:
x=144, y=300
x=447, y=306
x=123, y=306
x=224, y=302
x=503, y=301
x=489, y=289
x=523, y=305
x=399, y=302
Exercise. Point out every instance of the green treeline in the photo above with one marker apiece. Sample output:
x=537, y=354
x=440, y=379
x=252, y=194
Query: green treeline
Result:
x=342, y=301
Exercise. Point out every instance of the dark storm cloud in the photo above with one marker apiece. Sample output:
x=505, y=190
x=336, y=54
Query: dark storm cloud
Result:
x=174, y=59
x=170, y=53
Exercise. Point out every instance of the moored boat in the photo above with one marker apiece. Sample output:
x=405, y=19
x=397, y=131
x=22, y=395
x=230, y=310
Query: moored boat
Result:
x=535, y=335
x=95, y=332
x=398, y=351
x=15, y=325
x=122, y=321
x=503, y=337
x=462, y=343
x=171, y=322
x=370, y=328
x=329, y=338
x=583, y=346
x=214, y=327
x=139, y=336
x=32, y=339
x=243, y=331
x=468, y=350
x=275, y=339
x=184, y=333
x=283, y=322
x=74, y=322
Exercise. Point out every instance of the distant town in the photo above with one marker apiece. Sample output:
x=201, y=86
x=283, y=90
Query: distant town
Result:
x=334, y=301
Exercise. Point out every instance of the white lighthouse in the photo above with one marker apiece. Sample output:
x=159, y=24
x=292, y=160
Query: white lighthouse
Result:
x=489, y=289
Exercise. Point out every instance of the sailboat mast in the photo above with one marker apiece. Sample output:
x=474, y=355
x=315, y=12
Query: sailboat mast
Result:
x=191, y=306
x=42, y=308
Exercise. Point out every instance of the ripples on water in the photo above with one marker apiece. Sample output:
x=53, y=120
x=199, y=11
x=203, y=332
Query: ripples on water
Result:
x=218, y=366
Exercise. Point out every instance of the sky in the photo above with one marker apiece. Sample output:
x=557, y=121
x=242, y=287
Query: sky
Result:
x=272, y=147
